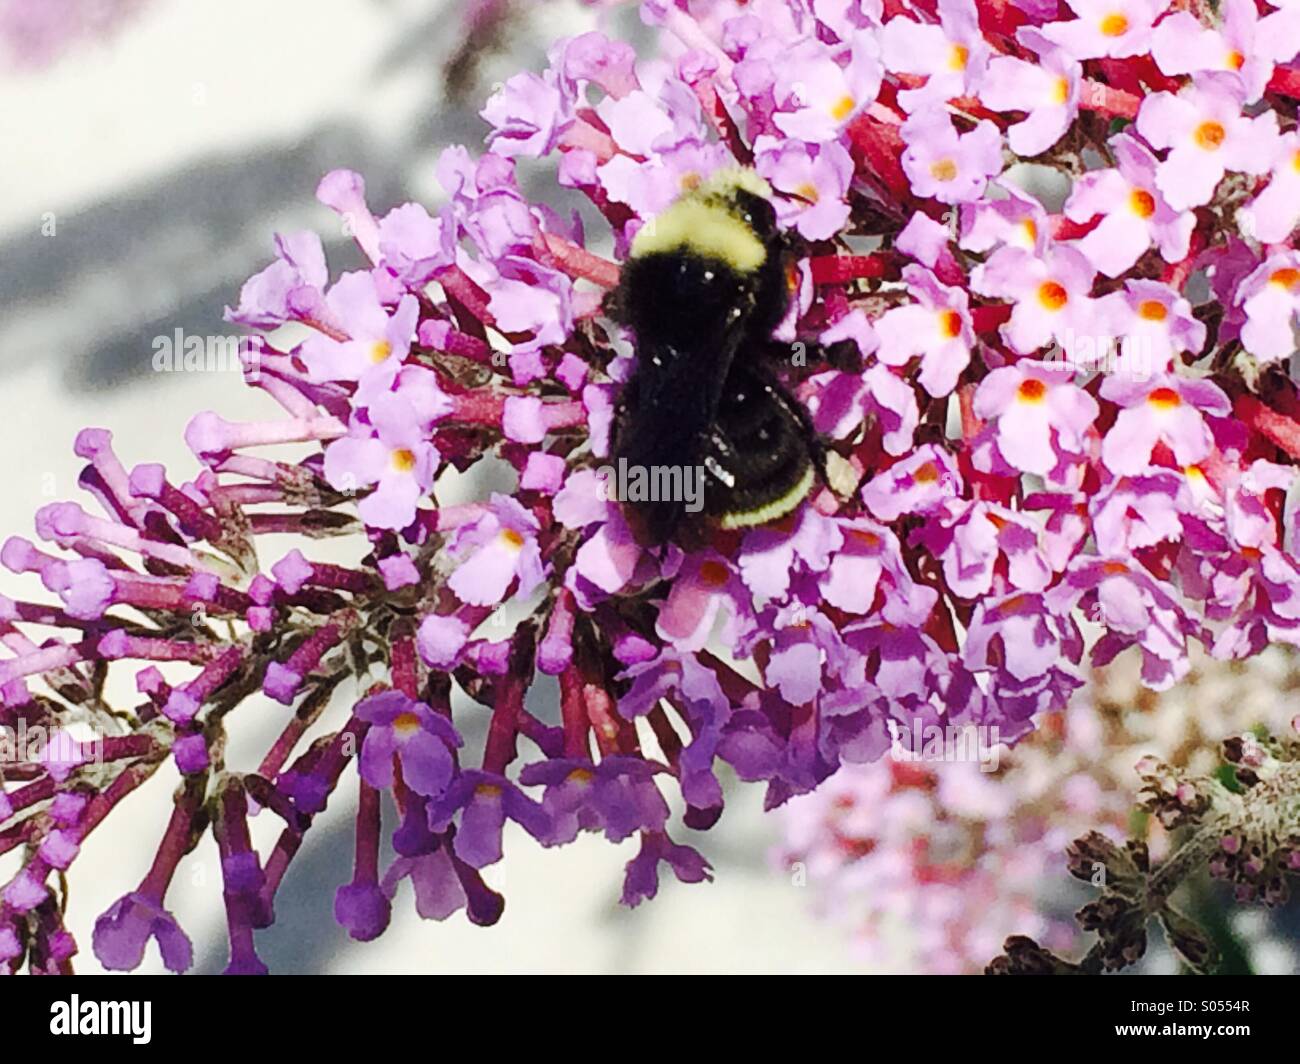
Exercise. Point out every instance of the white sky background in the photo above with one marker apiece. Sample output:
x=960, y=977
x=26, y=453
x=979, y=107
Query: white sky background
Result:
x=168, y=157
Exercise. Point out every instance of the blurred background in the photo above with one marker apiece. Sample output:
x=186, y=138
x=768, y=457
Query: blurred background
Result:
x=151, y=149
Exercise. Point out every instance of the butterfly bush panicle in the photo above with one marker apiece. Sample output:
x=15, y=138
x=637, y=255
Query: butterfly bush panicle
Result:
x=992, y=200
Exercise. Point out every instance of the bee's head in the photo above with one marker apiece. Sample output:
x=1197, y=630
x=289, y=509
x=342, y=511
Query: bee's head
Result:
x=713, y=257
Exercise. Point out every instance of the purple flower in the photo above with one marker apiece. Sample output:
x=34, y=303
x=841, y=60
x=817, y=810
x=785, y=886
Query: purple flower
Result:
x=1051, y=294
x=122, y=933
x=817, y=176
x=376, y=343
x=484, y=800
x=1047, y=90
x=1245, y=46
x=496, y=550
x=392, y=453
x=642, y=877
x=410, y=733
x=291, y=288
x=363, y=909
x=952, y=55
x=1269, y=299
x=617, y=796
x=817, y=95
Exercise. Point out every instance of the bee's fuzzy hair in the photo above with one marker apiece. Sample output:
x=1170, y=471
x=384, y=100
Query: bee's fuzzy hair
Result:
x=721, y=183
x=702, y=221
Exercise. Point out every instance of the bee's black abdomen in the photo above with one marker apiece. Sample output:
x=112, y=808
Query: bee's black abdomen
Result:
x=758, y=454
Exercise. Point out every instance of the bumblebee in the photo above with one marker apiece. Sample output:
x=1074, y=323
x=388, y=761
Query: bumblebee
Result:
x=705, y=285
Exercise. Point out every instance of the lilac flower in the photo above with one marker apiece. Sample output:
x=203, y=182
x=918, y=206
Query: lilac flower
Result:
x=1134, y=211
x=1157, y=324
x=1273, y=214
x=817, y=95
x=1245, y=46
x=937, y=327
x=1051, y=295
x=527, y=115
x=1207, y=134
x=1047, y=90
x=497, y=550
x=952, y=167
x=291, y=288
x=1269, y=298
x=397, y=459
x=952, y=55
x=918, y=484
x=1041, y=417
x=818, y=174
x=1166, y=409
x=1115, y=28
x=375, y=344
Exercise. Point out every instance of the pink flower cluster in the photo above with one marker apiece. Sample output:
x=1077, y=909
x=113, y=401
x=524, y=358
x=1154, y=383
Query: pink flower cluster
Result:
x=1024, y=499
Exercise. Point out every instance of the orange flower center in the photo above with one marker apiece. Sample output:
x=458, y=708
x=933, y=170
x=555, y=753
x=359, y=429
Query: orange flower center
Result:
x=926, y=474
x=406, y=724
x=1165, y=398
x=1210, y=135
x=511, y=538
x=1152, y=310
x=403, y=460
x=958, y=57
x=1114, y=568
x=843, y=107
x=943, y=170
x=1062, y=91
x=380, y=350
x=1052, y=295
x=1142, y=202
x=1235, y=60
x=1114, y=25
x=1031, y=390
x=949, y=324
x=1287, y=277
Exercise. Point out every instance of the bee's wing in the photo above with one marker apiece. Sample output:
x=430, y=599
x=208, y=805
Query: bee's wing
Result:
x=665, y=418
x=758, y=453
